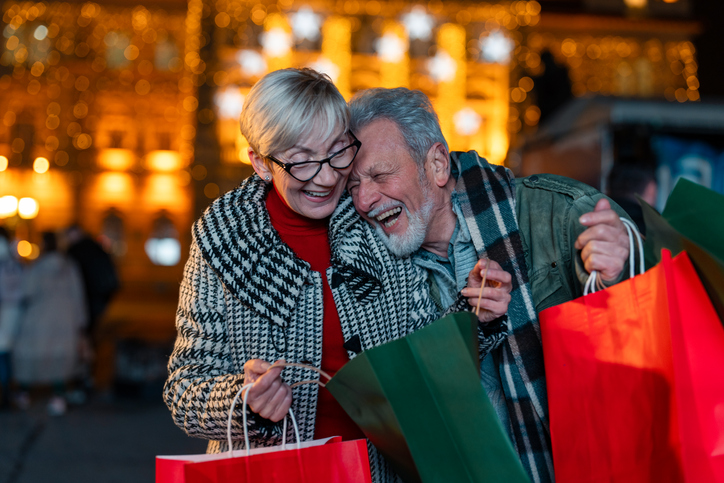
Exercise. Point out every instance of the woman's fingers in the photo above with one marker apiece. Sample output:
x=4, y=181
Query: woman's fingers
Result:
x=270, y=396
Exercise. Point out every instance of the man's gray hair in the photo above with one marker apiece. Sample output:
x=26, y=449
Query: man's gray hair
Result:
x=286, y=105
x=410, y=110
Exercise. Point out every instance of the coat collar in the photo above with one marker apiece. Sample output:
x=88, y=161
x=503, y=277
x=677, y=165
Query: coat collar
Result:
x=237, y=240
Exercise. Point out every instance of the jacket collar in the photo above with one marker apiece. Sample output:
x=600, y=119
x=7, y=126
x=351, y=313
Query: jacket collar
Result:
x=237, y=241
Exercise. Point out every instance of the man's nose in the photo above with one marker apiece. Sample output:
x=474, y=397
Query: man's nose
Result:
x=365, y=197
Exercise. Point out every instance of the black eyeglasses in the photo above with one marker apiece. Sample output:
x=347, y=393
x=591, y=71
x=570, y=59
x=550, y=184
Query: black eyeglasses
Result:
x=306, y=170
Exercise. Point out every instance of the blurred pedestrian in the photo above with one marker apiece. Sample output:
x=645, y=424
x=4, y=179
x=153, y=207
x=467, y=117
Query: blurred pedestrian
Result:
x=626, y=181
x=100, y=279
x=100, y=283
x=47, y=346
x=11, y=295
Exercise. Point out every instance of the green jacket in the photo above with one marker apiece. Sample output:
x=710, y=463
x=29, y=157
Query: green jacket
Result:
x=548, y=208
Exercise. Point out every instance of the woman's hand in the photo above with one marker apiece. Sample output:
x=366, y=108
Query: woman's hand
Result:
x=269, y=397
x=496, y=294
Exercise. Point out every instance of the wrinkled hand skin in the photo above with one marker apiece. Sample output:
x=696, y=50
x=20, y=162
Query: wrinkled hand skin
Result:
x=604, y=244
x=270, y=397
x=496, y=293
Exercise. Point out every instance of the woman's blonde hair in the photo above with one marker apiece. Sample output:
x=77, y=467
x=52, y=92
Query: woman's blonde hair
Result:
x=285, y=105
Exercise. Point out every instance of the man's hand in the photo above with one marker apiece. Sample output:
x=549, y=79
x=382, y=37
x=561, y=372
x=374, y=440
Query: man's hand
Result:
x=604, y=245
x=496, y=293
x=269, y=397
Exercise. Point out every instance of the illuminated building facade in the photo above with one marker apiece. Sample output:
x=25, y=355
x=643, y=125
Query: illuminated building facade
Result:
x=134, y=106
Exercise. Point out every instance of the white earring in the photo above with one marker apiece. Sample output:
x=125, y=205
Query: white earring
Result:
x=267, y=178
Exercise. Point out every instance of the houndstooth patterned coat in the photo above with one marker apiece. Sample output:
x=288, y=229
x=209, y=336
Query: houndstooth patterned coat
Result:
x=245, y=295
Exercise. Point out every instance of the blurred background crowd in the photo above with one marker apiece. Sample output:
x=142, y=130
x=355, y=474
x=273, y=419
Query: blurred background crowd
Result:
x=119, y=125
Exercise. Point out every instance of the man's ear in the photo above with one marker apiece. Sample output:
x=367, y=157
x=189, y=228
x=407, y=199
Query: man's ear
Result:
x=259, y=165
x=437, y=165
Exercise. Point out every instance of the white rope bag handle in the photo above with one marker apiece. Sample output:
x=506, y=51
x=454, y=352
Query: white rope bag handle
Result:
x=291, y=414
x=594, y=282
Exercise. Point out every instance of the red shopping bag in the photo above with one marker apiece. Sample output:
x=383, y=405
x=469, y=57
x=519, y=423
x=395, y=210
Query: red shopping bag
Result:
x=697, y=339
x=625, y=404
x=328, y=460
x=334, y=462
x=345, y=462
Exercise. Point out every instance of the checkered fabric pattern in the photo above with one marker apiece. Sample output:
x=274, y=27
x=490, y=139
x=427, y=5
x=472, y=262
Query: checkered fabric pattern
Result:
x=487, y=197
x=245, y=295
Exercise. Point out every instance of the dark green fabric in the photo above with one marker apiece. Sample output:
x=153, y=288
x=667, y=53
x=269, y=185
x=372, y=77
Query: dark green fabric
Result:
x=693, y=221
x=420, y=402
x=548, y=209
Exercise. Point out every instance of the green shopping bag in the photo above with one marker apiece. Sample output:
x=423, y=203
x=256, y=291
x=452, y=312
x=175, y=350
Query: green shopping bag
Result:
x=420, y=401
x=692, y=221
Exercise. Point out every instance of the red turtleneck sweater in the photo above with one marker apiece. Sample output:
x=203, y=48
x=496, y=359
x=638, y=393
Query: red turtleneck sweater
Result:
x=308, y=239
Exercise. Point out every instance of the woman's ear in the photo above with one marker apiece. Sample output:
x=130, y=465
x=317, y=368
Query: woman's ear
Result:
x=259, y=165
x=438, y=164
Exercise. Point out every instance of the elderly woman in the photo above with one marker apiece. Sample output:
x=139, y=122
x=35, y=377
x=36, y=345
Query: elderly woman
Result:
x=283, y=268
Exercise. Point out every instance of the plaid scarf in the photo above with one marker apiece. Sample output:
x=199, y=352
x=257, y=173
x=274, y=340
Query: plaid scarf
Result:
x=487, y=197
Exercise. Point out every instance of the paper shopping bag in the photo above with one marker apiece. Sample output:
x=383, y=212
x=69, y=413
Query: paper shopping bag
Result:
x=629, y=401
x=693, y=220
x=329, y=460
x=698, y=353
x=420, y=402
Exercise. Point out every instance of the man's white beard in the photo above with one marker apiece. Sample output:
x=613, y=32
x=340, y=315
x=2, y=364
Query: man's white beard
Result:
x=413, y=238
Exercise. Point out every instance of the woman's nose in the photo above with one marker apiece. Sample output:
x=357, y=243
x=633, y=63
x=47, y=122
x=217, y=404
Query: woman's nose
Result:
x=328, y=176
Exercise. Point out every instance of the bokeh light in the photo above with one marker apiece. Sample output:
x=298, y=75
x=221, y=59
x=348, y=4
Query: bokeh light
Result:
x=28, y=208
x=41, y=165
x=8, y=206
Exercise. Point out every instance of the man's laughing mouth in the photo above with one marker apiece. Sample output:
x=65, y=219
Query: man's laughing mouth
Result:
x=388, y=217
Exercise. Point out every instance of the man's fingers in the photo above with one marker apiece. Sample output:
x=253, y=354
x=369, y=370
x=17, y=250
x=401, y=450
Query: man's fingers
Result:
x=489, y=293
x=498, y=275
x=602, y=213
x=602, y=205
x=602, y=232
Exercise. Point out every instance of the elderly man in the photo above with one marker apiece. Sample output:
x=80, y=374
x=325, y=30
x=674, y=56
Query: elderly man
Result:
x=451, y=211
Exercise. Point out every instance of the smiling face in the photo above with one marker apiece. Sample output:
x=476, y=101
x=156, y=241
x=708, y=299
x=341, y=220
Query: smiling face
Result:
x=389, y=191
x=318, y=197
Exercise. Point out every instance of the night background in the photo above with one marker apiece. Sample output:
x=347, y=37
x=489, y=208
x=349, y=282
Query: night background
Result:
x=122, y=116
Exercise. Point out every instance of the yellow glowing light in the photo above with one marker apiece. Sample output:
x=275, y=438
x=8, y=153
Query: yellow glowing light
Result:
x=163, y=161
x=116, y=159
x=8, y=206
x=3, y=163
x=337, y=47
x=24, y=248
x=41, y=165
x=28, y=208
x=115, y=184
x=34, y=252
x=163, y=191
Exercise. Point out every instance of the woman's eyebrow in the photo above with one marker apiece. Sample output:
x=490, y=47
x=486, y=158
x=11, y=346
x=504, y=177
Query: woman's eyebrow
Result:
x=309, y=150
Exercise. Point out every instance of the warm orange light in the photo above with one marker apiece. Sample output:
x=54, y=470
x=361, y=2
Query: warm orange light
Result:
x=8, y=206
x=114, y=184
x=116, y=159
x=41, y=165
x=24, y=248
x=34, y=252
x=164, y=191
x=3, y=163
x=163, y=161
x=28, y=208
